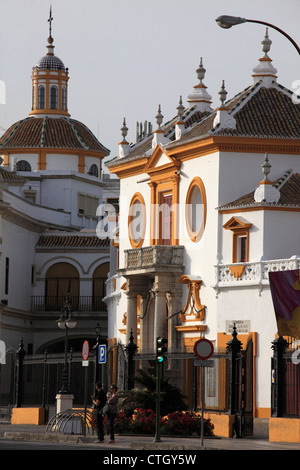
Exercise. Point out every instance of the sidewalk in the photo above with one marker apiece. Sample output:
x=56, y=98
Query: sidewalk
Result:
x=258, y=442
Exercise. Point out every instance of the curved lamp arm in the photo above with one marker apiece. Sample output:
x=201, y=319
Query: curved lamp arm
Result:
x=226, y=22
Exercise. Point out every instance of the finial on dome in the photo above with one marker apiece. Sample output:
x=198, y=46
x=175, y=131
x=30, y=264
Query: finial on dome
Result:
x=200, y=72
x=124, y=145
x=266, y=44
x=199, y=97
x=50, y=46
x=223, y=119
x=266, y=191
x=266, y=167
x=179, y=125
x=265, y=70
x=159, y=117
x=180, y=109
x=222, y=94
x=124, y=130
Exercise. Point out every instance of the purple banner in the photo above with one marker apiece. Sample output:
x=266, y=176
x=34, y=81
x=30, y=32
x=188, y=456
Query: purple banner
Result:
x=285, y=290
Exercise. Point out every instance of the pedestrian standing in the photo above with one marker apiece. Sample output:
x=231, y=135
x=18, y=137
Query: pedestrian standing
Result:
x=99, y=400
x=112, y=403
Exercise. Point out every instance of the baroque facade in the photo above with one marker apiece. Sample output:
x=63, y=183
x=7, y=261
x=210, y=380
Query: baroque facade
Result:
x=209, y=205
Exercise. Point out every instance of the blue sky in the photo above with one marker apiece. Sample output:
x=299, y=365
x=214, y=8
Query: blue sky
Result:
x=127, y=56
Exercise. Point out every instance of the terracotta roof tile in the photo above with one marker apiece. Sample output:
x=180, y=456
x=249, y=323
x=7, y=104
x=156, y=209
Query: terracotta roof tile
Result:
x=57, y=133
x=289, y=195
x=10, y=177
x=72, y=241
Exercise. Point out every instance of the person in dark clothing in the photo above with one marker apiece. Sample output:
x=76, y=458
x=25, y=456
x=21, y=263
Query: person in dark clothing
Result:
x=99, y=400
x=112, y=403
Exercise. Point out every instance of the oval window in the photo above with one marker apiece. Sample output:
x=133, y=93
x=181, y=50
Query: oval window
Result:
x=195, y=209
x=137, y=221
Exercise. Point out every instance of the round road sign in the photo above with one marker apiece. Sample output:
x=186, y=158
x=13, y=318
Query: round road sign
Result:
x=203, y=348
x=85, y=350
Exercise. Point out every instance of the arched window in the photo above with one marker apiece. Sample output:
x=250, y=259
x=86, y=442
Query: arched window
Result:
x=64, y=98
x=94, y=170
x=99, y=279
x=54, y=97
x=59, y=278
x=22, y=165
x=41, y=97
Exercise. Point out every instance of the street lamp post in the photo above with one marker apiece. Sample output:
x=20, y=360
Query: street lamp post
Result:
x=227, y=22
x=66, y=322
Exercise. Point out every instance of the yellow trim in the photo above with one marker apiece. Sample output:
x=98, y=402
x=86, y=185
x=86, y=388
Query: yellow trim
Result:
x=199, y=147
x=196, y=182
x=239, y=229
x=137, y=197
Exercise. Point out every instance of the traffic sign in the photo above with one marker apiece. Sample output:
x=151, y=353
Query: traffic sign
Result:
x=85, y=350
x=203, y=348
x=102, y=354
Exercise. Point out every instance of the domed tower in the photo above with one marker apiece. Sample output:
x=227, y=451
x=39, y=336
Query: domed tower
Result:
x=49, y=139
x=50, y=83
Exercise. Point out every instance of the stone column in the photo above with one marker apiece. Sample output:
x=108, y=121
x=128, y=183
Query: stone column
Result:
x=131, y=320
x=160, y=320
x=143, y=323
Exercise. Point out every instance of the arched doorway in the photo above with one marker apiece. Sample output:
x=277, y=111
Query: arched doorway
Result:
x=61, y=278
x=99, y=287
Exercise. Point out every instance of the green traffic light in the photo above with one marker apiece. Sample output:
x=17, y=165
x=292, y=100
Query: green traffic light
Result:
x=161, y=349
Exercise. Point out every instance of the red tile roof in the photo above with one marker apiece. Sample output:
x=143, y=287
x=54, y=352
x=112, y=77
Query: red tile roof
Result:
x=258, y=111
x=289, y=195
x=10, y=177
x=56, y=133
x=72, y=241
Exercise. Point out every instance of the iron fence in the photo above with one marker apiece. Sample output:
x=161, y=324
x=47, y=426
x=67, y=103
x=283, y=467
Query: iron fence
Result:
x=83, y=303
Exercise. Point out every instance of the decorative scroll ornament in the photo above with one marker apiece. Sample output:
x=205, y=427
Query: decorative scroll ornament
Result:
x=193, y=304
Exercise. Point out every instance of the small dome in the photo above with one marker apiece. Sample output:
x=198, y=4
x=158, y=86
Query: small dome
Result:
x=50, y=62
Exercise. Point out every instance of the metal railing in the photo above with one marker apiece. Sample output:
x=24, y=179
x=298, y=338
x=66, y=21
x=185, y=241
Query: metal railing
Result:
x=85, y=303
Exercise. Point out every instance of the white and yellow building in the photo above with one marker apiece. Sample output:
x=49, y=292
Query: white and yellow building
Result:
x=51, y=185
x=209, y=204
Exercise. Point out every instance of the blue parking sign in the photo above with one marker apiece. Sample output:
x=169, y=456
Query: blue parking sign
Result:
x=102, y=354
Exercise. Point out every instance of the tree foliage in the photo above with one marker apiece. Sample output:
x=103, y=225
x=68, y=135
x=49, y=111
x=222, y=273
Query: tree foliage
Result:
x=144, y=396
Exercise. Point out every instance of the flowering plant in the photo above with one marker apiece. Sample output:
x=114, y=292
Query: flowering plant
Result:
x=122, y=423
x=185, y=422
x=142, y=421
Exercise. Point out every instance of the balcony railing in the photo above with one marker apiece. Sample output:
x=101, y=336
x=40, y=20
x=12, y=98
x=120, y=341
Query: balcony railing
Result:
x=256, y=273
x=85, y=303
x=157, y=256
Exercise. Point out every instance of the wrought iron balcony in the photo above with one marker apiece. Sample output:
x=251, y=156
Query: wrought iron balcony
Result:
x=42, y=303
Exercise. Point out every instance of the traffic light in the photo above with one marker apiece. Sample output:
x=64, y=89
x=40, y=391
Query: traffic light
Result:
x=161, y=349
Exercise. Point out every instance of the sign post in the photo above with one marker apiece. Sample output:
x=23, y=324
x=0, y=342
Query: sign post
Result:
x=102, y=354
x=203, y=350
x=85, y=362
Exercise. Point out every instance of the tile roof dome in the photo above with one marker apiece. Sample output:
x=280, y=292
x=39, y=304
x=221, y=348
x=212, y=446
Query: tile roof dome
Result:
x=50, y=133
x=50, y=61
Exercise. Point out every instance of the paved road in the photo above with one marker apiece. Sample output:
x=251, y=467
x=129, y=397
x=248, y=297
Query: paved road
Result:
x=19, y=437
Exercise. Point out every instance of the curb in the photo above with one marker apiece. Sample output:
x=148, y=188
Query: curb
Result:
x=30, y=436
